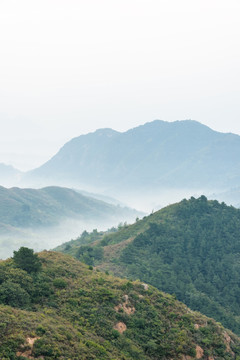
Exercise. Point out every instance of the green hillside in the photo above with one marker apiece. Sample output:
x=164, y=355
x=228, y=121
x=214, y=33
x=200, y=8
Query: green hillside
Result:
x=58, y=308
x=23, y=208
x=190, y=249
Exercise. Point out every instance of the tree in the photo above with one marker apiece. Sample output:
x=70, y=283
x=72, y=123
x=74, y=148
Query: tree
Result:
x=25, y=259
x=12, y=294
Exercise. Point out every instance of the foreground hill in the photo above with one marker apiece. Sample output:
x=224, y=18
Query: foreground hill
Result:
x=159, y=154
x=60, y=309
x=190, y=249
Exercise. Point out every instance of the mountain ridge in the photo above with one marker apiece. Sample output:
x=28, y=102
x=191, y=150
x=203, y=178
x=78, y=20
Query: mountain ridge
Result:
x=49, y=203
x=158, y=155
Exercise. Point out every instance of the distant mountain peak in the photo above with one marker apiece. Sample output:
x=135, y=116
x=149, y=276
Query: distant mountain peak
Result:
x=156, y=155
x=160, y=124
x=7, y=167
x=106, y=132
x=9, y=175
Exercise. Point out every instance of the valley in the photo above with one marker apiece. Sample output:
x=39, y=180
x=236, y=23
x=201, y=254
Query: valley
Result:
x=44, y=218
x=123, y=295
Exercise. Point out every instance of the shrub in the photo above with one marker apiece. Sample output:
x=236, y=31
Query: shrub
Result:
x=26, y=260
x=12, y=294
x=60, y=283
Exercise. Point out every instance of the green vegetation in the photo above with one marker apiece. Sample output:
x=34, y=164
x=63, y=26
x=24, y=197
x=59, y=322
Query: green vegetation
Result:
x=66, y=311
x=73, y=247
x=26, y=260
x=24, y=208
x=190, y=249
x=42, y=218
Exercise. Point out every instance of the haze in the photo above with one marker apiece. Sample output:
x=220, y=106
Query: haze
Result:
x=70, y=67
x=50, y=237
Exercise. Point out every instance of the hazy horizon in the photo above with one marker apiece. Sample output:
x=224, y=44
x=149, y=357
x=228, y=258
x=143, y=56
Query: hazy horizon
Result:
x=69, y=68
x=28, y=159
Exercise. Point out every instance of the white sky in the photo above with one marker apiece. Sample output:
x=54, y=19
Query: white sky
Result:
x=68, y=67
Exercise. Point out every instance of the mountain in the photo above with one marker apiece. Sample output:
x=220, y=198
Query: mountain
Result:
x=47, y=206
x=159, y=154
x=25, y=213
x=9, y=175
x=190, y=249
x=54, y=307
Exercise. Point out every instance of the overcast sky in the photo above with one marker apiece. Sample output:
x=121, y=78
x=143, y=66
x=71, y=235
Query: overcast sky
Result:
x=70, y=67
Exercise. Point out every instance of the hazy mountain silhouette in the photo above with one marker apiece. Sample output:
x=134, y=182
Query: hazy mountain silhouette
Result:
x=48, y=206
x=9, y=175
x=180, y=154
x=47, y=217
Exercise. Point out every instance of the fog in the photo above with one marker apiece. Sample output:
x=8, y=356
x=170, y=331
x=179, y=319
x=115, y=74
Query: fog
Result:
x=151, y=199
x=47, y=238
x=148, y=201
x=70, y=67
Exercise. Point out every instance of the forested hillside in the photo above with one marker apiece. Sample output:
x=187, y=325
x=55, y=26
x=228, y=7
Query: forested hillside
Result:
x=54, y=307
x=190, y=249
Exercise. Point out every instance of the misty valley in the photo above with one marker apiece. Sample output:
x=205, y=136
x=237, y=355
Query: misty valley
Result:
x=124, y=246
x=119, y=180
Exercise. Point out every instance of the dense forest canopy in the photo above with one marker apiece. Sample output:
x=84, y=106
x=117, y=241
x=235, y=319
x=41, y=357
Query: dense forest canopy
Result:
x=190, y=249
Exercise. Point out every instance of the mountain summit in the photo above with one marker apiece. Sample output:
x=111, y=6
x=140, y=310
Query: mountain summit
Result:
x=159, y=154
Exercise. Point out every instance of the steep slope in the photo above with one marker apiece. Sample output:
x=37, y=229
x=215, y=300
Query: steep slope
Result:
x=179, y=154
x=66, y=311
x=190, y=249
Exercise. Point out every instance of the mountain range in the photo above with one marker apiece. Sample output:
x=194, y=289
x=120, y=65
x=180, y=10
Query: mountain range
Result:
x=55, y=307
x=159, y=154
